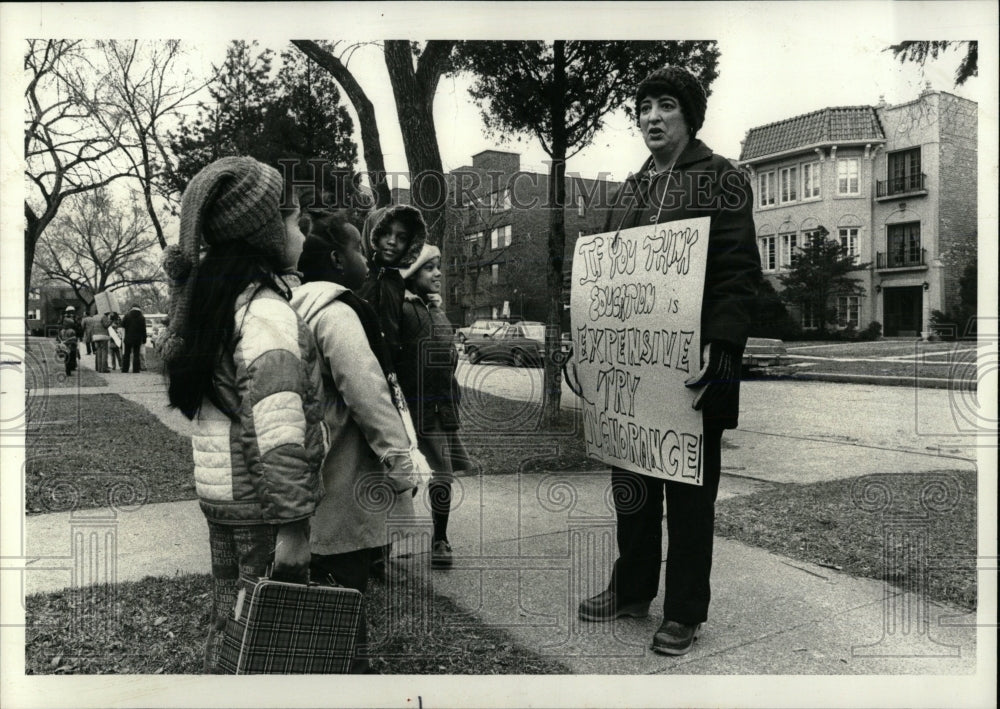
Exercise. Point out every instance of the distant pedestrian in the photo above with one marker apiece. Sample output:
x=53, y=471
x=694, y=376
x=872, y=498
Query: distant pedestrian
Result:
x=427, y=375
x=88, y=332
x=683, y=179
x=134, y=324
x=101, y=338
x=244, y=368
x=68, y=338
x=371, y=452
x=115, y=343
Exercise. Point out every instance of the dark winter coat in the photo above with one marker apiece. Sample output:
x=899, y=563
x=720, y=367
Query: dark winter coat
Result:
x=134, y=324
x=385, y=289
x=703, y=184
x=427, y=367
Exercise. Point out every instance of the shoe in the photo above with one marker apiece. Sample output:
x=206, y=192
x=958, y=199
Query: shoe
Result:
x=606, y=606
x=441, y=557
x=675, y=638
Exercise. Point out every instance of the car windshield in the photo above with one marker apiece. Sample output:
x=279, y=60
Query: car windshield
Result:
x=534, y=332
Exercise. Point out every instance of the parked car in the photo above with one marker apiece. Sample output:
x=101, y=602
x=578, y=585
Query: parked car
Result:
x=520, y=344
x=764, y=352
x=478, y=329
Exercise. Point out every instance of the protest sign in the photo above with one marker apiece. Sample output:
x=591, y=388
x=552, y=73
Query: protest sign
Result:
x=636, y=311
x=107, y=302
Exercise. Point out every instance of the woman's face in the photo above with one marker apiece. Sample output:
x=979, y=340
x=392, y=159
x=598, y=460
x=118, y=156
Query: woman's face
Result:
x=663, y=126
x=294, y=239
x=390, y=246
x=427, y=279
x=351, y=259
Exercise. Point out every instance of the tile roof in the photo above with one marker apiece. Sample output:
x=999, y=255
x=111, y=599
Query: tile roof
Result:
x=828, y=125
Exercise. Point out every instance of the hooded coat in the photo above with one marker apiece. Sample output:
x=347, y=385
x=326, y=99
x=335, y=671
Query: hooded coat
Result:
x=703, y=184
x=385, y=289
x=368, y=472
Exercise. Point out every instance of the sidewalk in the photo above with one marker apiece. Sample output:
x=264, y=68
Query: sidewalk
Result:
x=529, y=547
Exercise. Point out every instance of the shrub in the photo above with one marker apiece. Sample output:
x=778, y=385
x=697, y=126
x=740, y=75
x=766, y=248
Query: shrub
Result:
x=770, y=316
x=870, y=333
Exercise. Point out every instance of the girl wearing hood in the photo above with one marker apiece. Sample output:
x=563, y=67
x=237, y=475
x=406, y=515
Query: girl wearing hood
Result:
x=370, y=473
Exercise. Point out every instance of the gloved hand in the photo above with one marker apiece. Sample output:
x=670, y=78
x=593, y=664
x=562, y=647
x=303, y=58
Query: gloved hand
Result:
x=717, y=378
x=291, y=552
x=570, y=375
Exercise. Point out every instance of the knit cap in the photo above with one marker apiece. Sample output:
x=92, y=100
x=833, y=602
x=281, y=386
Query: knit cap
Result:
x=428, y=252
x=234, y=199
x=682, y=85
x=379, y=221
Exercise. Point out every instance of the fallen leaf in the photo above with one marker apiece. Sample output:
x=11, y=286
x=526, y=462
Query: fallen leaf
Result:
x=56, y=660
x=160, y=621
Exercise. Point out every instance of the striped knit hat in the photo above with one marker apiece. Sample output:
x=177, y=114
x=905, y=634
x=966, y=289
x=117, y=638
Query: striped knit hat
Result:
x=234, y=199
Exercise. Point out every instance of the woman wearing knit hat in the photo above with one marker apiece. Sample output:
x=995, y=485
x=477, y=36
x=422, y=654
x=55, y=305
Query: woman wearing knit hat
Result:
x=243, y=367
x=427, y=375
x=683, y=179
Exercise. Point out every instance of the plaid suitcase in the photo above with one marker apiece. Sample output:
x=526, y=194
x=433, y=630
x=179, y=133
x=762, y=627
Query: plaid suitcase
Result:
x=289, y=628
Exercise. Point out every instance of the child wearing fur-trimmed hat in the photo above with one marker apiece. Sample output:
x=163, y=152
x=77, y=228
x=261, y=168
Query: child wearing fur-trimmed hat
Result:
x=427, y=376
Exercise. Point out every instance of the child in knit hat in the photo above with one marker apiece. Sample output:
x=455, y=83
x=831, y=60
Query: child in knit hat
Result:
x=427, y=375
x=243, y=367
x=372, y=455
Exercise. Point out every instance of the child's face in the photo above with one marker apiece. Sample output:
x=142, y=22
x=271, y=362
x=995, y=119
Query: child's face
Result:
x=294, y=239
x=390, y=246
x=427, y=279
x=351, y=260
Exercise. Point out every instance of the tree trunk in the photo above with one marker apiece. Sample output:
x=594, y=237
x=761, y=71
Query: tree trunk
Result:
x=413, y=90
x=31, y=232
x=552, y=387
x=371, y=142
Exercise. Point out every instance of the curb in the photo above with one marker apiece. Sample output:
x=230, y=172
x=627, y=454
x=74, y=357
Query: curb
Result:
x=912, y=382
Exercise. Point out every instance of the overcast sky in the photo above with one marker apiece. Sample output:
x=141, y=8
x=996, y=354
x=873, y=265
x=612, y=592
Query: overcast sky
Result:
x=777, y=61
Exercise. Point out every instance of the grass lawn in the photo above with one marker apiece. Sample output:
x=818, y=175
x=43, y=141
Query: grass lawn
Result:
x=80, y=448
x=162, y=625
x=45, y=371
x=936, y=360
x=821, y=523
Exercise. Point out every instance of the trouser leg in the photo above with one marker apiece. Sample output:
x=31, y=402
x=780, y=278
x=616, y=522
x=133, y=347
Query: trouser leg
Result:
x=690, y=535
x=439, y=492
x=639, y=511
x=350, y=570
x=236, y=550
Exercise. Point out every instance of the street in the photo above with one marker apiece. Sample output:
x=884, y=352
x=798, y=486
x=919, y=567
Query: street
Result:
x=800, y=431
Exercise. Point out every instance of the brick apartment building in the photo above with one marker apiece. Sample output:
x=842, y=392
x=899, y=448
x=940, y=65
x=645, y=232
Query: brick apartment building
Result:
x=496, y=247
x=896, y=185
x=45, y=306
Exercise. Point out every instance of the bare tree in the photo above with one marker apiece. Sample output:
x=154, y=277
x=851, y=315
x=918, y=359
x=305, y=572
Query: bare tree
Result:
x=99, y=244
x=414, y=74
x=67, y=150
x=920, y=52
x=145, y=88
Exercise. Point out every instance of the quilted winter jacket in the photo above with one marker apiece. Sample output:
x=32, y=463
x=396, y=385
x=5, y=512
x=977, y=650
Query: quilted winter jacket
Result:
x=262, y=466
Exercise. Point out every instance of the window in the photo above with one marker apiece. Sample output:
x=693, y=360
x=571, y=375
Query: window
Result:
x=35, y=314
x=474, y=236
x=904, y=171
x=766, y=245
x=809, y=319
x=500, y=200
x=495, y=273
x=847, y=176
x=581, y=206
x=765, y=188
x=500, y=237
x=454, y=294
x=849, y=240
x=810, y=180
x=789, y=184
x=789, y=245
x=904, y=245
x=849, y=310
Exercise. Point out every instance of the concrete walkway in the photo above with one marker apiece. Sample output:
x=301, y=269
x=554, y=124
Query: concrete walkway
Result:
x=529, y=547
